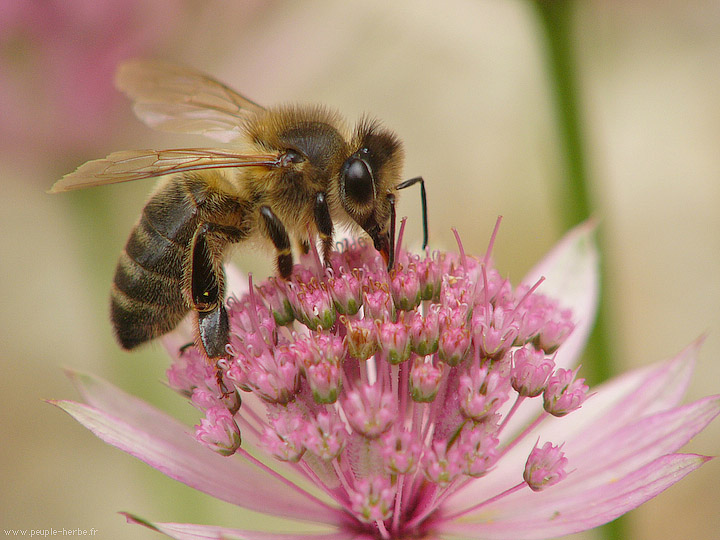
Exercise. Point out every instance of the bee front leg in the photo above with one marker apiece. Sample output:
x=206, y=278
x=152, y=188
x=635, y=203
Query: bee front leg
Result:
x=324, y=225
x=277, y=233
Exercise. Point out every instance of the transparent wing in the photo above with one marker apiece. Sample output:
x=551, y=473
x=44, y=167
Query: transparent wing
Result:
x=139, y=164
x=183, y=100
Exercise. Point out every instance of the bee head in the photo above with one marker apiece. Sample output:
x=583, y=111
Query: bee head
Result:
x=368, y=178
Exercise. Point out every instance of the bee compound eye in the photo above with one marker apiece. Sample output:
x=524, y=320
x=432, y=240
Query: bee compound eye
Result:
x=357, y=180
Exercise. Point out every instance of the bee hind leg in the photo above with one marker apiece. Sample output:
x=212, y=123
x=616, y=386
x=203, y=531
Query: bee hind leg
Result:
x=207, y=288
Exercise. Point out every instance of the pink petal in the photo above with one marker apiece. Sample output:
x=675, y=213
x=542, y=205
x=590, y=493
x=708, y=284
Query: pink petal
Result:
x=638, y=443
x=165, y=444
x=617, y=403
x=527, y=515
x=625, y=399
x=572, y=277
x=188, y=531
x=571, y=272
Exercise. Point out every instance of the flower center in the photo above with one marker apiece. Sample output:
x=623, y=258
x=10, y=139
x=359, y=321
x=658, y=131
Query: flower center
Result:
x=388, y=392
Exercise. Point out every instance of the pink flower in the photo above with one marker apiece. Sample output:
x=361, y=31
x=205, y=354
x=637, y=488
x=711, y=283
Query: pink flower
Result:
x=501, y=442
x=57, y=63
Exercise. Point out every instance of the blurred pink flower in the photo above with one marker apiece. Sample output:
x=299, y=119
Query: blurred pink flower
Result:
x=406, y=437
x=57, y=63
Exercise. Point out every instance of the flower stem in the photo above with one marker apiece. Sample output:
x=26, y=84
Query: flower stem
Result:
x=555, y=18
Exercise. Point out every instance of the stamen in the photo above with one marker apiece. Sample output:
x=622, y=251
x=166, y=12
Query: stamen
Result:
x=253, y=304
x=398, y=244
x=515, y=406
x=463, y=259
x=545, y=467
x=319, y=267
x=491, y=244
x=528, y=429
x=384, y=533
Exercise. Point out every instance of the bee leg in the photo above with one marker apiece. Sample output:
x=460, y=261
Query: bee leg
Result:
x=423, y=201
x=214, y=331
x=277, y=233
x=324, y=225
x=207, y=289
x=304, y=247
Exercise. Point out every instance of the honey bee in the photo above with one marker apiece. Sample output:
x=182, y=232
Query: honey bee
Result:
x=296, y=173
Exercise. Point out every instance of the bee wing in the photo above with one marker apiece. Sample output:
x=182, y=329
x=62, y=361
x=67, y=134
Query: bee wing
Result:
x=183, y=100
x=139, y=164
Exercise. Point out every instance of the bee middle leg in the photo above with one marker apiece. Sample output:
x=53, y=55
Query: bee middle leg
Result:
x=207, y=288
x=324, y=225
x=277, y=233
x=304, y=246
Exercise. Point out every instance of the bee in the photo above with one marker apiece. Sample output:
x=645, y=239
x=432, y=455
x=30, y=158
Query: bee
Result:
x=295, y=172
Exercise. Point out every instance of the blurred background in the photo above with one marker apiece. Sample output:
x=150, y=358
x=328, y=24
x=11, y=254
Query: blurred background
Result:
x=464, y=84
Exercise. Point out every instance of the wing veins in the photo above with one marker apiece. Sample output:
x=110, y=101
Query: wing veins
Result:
x=174, y=98
x=132, y=165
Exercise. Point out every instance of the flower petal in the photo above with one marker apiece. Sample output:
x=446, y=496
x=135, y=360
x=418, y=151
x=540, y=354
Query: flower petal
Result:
x=165, y=444
x=634, y=445
x=624, y=399
x=632, y=395
x=617, y=403
x=188, y=531
x=527, y=515
x=572, y=276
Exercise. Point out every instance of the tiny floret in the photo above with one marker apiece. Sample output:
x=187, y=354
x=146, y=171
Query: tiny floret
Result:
x=218, y=431
x=564, y=393
x=370, y=410
x=545, y=467
x=531, y=369
x=372, y=499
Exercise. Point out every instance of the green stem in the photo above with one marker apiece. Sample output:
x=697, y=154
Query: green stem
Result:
x=555, y=18
x=575, y=205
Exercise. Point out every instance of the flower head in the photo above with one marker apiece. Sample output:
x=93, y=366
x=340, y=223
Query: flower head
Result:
x=404, y=401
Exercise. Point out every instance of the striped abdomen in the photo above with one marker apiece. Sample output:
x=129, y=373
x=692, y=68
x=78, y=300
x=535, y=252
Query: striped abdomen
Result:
x=147, y=298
